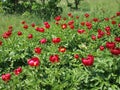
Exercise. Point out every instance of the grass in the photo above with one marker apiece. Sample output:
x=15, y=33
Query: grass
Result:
x=15, y=20
x=94, y=4
x=95, y=8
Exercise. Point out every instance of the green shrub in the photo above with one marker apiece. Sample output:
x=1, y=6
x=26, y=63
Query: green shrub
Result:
x=44, y=10
x=64, y=71
x=1, y=10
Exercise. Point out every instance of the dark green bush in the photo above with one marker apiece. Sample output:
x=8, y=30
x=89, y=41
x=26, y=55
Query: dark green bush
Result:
x=44, y=9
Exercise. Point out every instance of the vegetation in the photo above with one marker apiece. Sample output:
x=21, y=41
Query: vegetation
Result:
x=44, y=8
x=75, y=50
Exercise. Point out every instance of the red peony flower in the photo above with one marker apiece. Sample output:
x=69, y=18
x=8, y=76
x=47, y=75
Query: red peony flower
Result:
x=108, y=33
x=101, y=48
x=100, y=33
x=115, y=51
x=117, y=39
x=80, y=31
x=110, y=45
x=119, y=25
x=106, y=19
x=0, y=43
x=41, y=30
x=33, y=62
x=118, y=14
x=93, y=37
x=18, y=71
x=33, y=24
x=71, y=22
x=62, y=49
x=89, y=27
x=25, y=26
x=57, y=23
x=10, y=27
x=47, y=26
x=9, y=30
x=30, y=36
x=88, y=61
x=6, y=77
x=77, y=17
x=64, y=26
x=46, y=23
x=69, y=14
x=82, y=23
x=56, y=40
x=43, y=41
x=58, y=18
x=7, y=34
x=76, y=56
x=107, y=29
x=23, y=22
x=37, y=50
x=54, y=58
x=99, y=36
x=86, y=15
x=19, y=33
x=88, y=24
x=113, y=22
x=37, y=28
x=95, y=19
x=72, y=26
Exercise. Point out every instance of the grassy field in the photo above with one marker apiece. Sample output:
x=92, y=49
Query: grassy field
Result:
x=95, y=8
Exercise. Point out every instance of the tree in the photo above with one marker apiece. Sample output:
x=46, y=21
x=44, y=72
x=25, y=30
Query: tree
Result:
x=73, y=5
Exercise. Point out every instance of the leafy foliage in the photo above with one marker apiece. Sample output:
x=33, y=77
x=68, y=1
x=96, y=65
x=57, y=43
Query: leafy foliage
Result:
x=51, y=54
x=66, y=72
x=1, y=10
x=43, y=9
